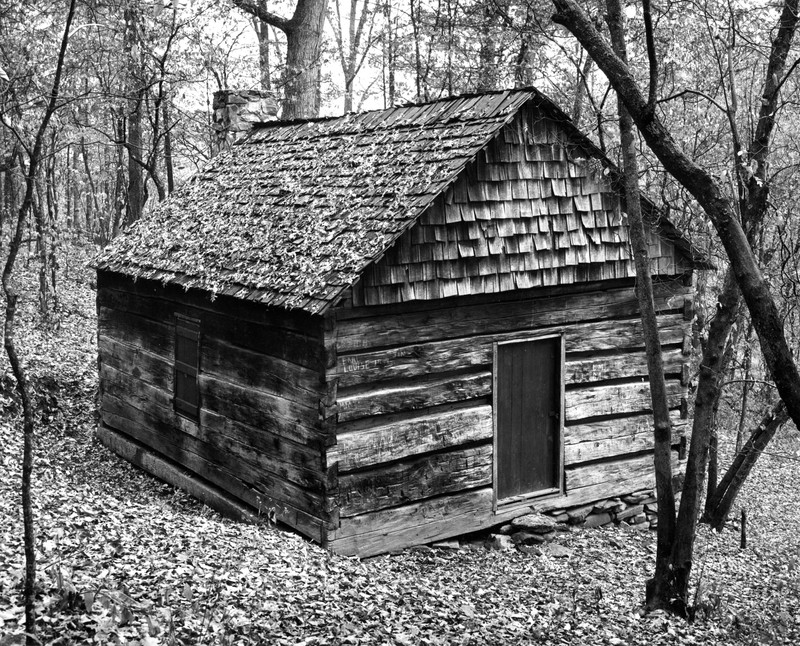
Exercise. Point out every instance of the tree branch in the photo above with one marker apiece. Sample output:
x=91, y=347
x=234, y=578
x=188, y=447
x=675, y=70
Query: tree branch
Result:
x=759, y=146
x=705, y=189
x=711, y=100
x=9, y=341
x=258, y=10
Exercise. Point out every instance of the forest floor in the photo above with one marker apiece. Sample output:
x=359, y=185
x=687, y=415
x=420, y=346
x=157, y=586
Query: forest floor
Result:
x=124, y=558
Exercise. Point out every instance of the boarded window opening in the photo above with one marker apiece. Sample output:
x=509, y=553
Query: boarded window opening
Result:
x=187, y=366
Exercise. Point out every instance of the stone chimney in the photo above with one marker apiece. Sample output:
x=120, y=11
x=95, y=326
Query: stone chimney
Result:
x=235, y=113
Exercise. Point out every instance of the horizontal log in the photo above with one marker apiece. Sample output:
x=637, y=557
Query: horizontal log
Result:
x=629, y=365
x=274, y=393
x=157, y=336
x=299, y=410
x=415, y=479
x=152, y=336
x=460, y=513
x=580, y=404
x=169, y=471
x=608, y=479
x=357, y=311
x=226, y=400
x=135, y=361
x=218, y=359
x=619, y=399
x=401, y=325
x=242, y=481
x=477, y=352
x=615, y=437
x=414, y=524
x=272, y=454
x=424, y=434
x=126, y=387
x=414, y=396
x=260, y=371
x=142, y=295
x=297, y=461
x=169, y=435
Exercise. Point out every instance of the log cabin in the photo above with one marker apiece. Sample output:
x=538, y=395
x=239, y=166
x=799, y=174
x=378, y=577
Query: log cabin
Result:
x=394, y=327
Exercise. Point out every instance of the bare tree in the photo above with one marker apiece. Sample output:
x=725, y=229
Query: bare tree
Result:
x=303, y=50
x=662, y=427
x=354, y=48
x=134, y=90
x=745, y=273
x=30, y=169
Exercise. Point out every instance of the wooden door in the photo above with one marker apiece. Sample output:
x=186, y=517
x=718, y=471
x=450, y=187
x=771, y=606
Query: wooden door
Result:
x=527, y=400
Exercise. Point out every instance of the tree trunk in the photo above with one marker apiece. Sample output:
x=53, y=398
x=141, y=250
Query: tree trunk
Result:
x=110, y=229
x=723, y=496
x=353, y=50
x=417, y=54
x=706, y=189
x=580, y=90
x=23, y=388
x=262, y=34
x=487, y=51
x=658, y=588
x=51, y=223
x=133, y=137
x=523, y=72
x=303, y=53
x=736, y=238
x=41, y=250
x=70, y=195
x=168, y=166
x=723, y=368
x=9, y=341
x=746, y=388
x=92, y=207
x=389, y=59
x=713, y=456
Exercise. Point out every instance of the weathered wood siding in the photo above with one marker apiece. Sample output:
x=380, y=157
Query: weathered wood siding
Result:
x=534, y=209
x=259, y=436
x=414, y=400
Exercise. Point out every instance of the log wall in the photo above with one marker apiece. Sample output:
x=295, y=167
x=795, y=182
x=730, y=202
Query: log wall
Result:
x=260, y=437
x=413, y=387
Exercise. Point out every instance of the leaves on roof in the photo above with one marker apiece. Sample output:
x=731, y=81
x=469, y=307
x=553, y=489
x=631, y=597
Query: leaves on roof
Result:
x=292, y=215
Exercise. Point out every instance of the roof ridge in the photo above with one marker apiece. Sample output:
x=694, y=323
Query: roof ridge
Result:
x=278, y=123
x=400, y=126
x=294, y=216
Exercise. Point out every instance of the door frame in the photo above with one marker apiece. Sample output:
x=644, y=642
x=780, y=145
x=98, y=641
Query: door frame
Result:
x=553, y=492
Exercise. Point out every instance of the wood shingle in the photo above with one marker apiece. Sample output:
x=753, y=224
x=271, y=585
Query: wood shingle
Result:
x=297, y=212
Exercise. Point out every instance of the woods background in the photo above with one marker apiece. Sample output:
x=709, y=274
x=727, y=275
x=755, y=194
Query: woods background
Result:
x=93, y=138
x=133, y=117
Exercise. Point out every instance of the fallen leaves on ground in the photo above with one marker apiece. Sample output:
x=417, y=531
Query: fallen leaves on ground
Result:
x=123, y=558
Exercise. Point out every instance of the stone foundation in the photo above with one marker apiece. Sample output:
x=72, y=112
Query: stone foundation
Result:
x=638, y=510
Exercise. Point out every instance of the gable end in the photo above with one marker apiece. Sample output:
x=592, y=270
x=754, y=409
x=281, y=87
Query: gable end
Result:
x=535, y=208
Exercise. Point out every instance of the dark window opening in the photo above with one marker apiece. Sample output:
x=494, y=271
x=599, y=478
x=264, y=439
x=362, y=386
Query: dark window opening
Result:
x=187, y=366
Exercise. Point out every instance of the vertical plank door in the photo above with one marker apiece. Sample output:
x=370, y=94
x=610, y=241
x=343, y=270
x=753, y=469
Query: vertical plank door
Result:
x=527, y=408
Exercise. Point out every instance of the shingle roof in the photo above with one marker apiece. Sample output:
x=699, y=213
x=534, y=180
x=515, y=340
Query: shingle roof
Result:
x=292, y=215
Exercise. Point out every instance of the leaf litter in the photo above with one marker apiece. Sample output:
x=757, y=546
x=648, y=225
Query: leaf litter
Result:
x=125, y=559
